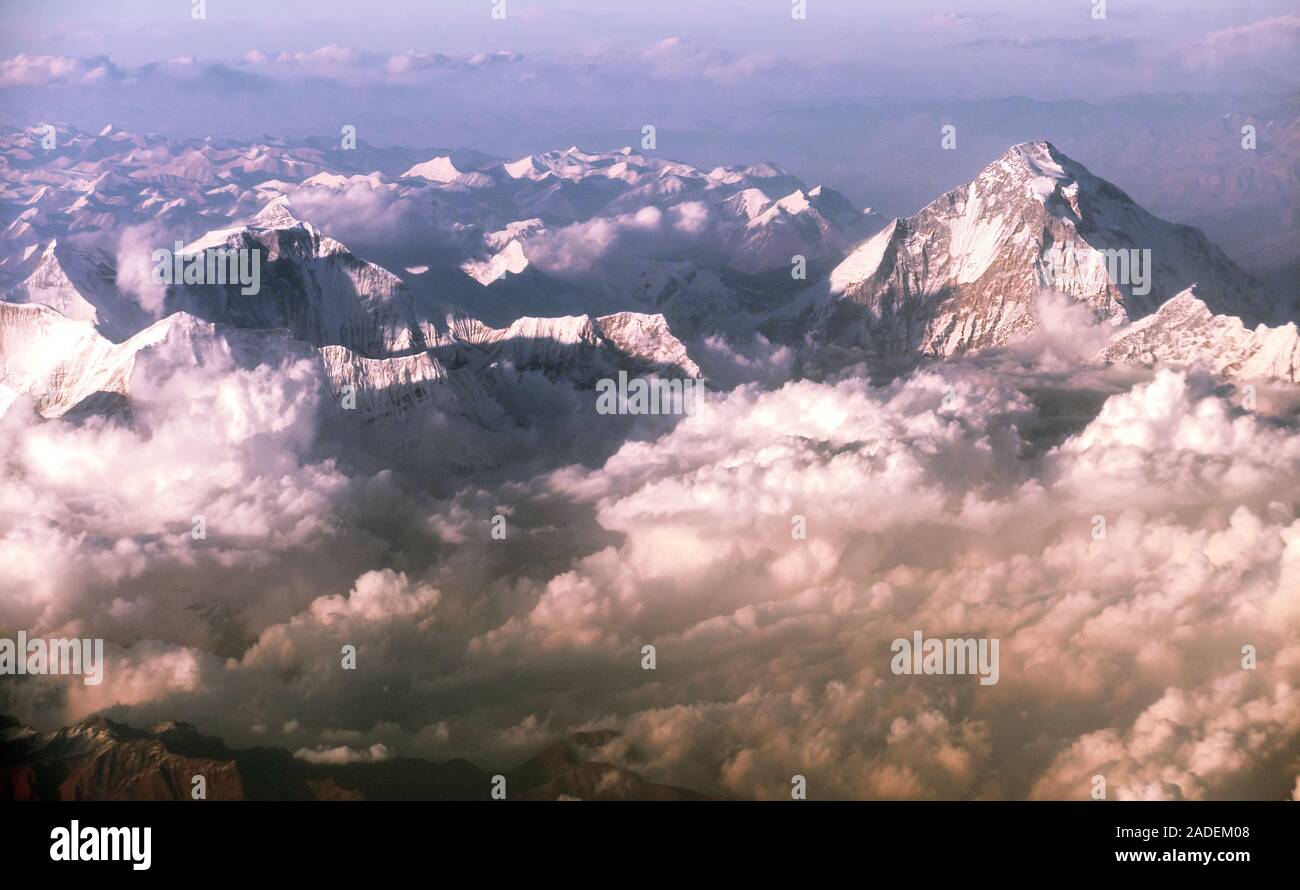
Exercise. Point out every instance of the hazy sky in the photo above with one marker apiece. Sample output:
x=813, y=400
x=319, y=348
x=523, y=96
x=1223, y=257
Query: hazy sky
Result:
x=971, y=48
x=726, y=82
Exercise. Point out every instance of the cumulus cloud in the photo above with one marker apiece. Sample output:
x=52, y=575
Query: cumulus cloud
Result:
x=135, y=266
x=728, y=364
x=412, y=61
x=144, y=673
x=1065, y=334
x=1187, y=744
x=332, y=60
x=96, y=545
x=921, y=515
x=363, y=212
x=343, y=754
x=378, y=600
x=1265, y=35
x=341, y=62
x=1122, y=535
x=690, y=217
x=576, y=248
x=28, y=71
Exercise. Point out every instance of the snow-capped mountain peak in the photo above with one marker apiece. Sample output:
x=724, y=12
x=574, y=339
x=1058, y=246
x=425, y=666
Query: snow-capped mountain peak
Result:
x=439, y=169
x=276, y=215
x=962, y=273
x=510, y=260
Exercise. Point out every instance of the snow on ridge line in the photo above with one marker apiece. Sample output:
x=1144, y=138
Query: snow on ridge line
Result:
x=439, y=169
x=1184, y=331
x=864, y=260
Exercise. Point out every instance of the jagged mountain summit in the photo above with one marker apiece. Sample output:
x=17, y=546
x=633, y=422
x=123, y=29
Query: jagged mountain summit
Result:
x=962, y=273
x=312, y=286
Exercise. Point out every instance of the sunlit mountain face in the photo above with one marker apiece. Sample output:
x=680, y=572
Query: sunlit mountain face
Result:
x=881, y=438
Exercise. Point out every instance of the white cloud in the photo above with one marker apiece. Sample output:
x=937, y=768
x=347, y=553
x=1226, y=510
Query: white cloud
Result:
x=23, y=70
x=1263, y=43
x=947, y=502
x=690, y=217
x=344, y=754
x=1263, y=35
x=921, y=516
x=135, y=267
x=676, y=58
x=576, y=248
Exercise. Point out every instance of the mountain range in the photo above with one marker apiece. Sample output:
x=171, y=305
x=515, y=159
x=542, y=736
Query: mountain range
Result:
x=573, y=265
x=99, y=759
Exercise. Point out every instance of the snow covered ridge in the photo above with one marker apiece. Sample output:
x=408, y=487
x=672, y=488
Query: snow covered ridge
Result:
x=1185, y=332
x=66, y=367
x=80, y=284
x=381, y=348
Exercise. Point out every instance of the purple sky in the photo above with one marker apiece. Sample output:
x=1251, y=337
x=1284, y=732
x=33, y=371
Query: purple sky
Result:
x=830, y=96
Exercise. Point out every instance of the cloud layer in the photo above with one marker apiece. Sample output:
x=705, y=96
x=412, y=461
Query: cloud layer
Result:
x=949, y=502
